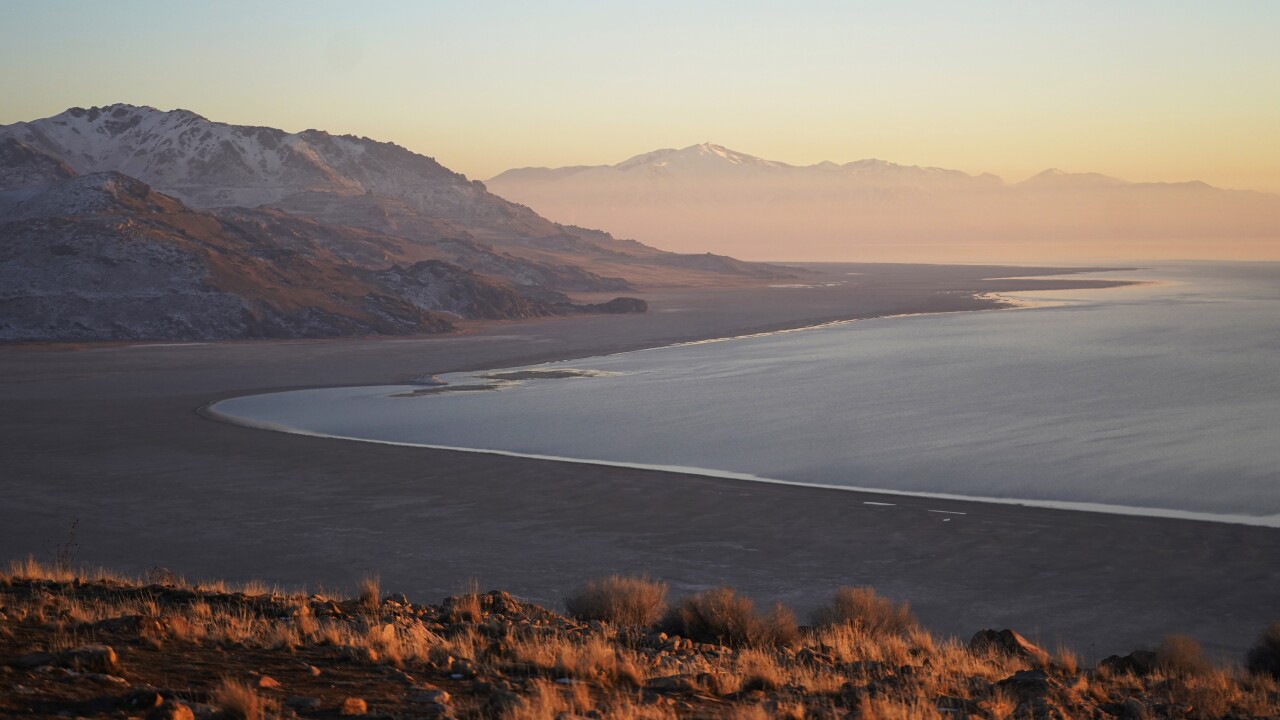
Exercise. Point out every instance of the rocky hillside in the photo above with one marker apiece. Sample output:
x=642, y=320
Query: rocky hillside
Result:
x=103, y=256
x=97, y=645
x=128, y=222
x=352, y=182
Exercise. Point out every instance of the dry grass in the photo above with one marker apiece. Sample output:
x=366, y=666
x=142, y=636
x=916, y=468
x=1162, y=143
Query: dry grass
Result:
x=897, y=709
x=723, y=616
x=239, y=700
x=1181, y=655
x=620, y=600
x=369, y=592
x=867, y=656
x=863, y=608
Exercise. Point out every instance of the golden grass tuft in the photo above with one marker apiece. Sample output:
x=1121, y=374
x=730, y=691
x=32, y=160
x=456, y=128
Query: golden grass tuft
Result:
x=721, y=615
x=369, y=592
x=862, y=607
x=620, y=600
x=240, y=701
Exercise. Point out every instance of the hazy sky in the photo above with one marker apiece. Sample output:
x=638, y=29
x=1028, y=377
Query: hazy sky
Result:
x=1167, y=90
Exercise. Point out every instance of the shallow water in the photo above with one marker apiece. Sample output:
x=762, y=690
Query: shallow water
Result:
x=1161, y=398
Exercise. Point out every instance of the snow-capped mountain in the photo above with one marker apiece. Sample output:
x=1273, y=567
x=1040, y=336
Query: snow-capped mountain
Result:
x=213, y=164
x=131, y=222
x=708, y=196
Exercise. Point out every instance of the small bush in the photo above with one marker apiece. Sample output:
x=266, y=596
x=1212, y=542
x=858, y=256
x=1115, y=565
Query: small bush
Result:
x=861, y=607
x=620, y=600
x=1181, y=655
x=240, y=701
x=370, y=592
x=723, y=616
x=1264, y=656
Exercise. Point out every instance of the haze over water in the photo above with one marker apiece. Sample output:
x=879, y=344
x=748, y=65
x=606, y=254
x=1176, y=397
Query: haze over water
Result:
x=1164, y=397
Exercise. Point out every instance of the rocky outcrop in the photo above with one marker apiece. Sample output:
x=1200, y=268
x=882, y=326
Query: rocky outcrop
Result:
x=1006, y=642
x=618, y=306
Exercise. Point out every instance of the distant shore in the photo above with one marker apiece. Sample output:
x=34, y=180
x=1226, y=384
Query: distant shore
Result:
x=109, y=435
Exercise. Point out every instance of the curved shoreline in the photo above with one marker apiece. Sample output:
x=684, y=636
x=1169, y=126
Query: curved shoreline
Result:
x=210, y=411
x=109, y=435
x=1006, y=303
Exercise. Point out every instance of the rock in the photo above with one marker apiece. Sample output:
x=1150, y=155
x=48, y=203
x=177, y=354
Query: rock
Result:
x=431, y=696
x=358, y=654
x=1138, y=662
x=302, y=702
x=1132, y=710
x=353, y=706
x=131, y=624
x=91, y=658
x=686, y=683
x=1006, y=642
x=618, y=305
x=31, y=661
x=171, y=710
x=266, y=682
x=1029, y=683
x=462, y=669
x=143, y=699
x=398, y=598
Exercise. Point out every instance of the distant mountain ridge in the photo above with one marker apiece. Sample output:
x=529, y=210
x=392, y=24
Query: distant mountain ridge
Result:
x=327, y=235
x=877, y=210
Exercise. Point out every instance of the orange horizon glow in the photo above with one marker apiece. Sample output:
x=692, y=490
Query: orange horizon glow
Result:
x=1147, y=92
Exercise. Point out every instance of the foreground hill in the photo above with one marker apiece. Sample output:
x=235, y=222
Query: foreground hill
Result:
x=871, y=210
x=127, y=222
x=98, y=645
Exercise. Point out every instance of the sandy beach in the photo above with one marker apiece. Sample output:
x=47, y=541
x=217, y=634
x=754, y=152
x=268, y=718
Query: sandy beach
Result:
x=110, y=436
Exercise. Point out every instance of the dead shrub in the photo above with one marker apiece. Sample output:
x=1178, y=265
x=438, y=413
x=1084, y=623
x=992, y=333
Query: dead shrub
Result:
x=240, y=701
x=1181, y=655
x=369, y=593
x=620, y=600
x=862, y=607
x=1264, y=656
x=723, y=616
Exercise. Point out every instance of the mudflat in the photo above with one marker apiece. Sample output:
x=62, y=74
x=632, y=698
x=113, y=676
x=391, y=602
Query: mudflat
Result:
x=110, y=436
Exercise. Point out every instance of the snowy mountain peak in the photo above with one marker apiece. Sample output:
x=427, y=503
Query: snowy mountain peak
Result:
x=210, y=164
x=1055, y=178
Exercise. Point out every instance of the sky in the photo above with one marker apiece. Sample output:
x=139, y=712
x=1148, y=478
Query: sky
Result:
x=1146, y=91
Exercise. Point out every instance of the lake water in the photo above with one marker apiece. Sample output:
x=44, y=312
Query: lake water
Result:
x=1160, y=399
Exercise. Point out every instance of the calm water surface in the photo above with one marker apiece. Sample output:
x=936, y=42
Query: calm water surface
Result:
x=1159, y=398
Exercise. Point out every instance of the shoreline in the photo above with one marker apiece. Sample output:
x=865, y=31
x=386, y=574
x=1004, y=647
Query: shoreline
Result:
x=110, y=436
x=1002, y=303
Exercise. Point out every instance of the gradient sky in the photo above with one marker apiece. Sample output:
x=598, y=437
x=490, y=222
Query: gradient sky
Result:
x=1144, y=90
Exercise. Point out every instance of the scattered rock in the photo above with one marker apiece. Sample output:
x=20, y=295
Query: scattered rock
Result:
x=91, y=658
x=1132, y=710
x=1139, y=662
x=143, y=699
x=431, y=696
x=353, y=706
x=130, y=625
x=358, y=654
x=1006, y=642
x=266, y=682
x=1028, y=683
x=171, y=710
